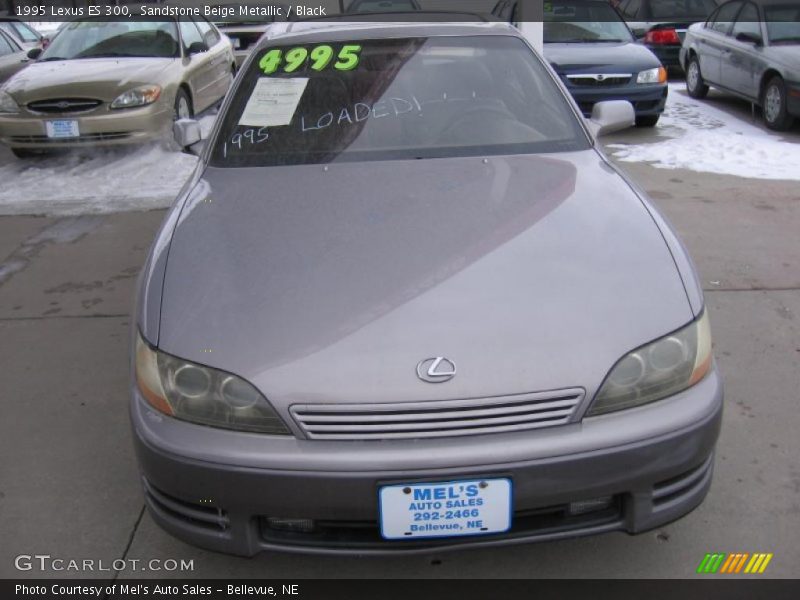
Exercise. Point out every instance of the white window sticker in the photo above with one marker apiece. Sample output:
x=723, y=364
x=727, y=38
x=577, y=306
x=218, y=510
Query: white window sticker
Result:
x=273, y=102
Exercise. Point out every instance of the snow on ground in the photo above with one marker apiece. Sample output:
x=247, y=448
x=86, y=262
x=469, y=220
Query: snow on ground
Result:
x=701, y=137
x=94, y=181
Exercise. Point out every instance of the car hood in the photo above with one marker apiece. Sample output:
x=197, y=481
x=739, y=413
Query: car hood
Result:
x=331, y=284
x=599, y=58
x=101, y=78
x=786, y=55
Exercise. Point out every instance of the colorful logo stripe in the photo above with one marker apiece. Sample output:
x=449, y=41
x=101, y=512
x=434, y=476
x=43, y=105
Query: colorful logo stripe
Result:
x=736, y=562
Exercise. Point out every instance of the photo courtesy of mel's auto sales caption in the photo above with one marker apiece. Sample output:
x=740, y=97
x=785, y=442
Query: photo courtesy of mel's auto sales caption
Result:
x=398, y=289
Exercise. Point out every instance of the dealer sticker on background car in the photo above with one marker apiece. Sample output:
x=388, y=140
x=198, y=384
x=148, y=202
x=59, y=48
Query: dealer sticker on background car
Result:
x=444, y=509
x=62, y=129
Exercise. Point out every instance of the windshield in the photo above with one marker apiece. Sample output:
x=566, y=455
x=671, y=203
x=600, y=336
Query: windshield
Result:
x=681, y=9
x=95, y=39
x=576, y=21
x=395, y=99
x=783, y=24
x=20, y=30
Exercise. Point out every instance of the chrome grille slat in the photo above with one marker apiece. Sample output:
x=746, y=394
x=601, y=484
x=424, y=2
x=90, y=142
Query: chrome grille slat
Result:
x=312, y=417
x=444, y=418
x=424, y=426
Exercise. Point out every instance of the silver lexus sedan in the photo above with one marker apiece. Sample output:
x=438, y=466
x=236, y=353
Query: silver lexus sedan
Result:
x=405, y=302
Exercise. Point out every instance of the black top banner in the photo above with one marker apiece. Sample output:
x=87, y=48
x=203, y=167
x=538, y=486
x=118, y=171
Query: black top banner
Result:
x=267, y=11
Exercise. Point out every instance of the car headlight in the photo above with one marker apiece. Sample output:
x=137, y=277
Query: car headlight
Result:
x=657, y=75
x=7, y=104
x=657, y=370
x=192, y=392
x=140, y=96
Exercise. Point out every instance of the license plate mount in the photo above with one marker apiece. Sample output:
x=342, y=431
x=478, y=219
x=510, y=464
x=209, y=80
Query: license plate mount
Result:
x=445, y=508
x=62, y=129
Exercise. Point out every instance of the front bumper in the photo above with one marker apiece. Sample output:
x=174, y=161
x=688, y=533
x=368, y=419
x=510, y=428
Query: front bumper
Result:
x=655, y=461
x=646, y=99
x=99, y=127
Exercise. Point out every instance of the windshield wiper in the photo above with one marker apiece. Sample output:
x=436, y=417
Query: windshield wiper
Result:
x=794, y=38
x=52, y=58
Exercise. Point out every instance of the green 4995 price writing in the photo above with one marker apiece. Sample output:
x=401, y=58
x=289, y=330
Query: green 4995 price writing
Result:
x=319, y=57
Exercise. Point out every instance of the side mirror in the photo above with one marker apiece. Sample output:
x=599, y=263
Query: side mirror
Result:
x=749, y=38
x=611, y=116
x=187, y=133
x=196, y=48
x=34, y=53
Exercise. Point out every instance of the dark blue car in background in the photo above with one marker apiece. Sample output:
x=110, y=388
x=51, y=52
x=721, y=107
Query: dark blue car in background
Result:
x=598, y=58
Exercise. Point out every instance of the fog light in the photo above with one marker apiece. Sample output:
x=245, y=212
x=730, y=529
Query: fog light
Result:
x=586, y=506
x=296, y=525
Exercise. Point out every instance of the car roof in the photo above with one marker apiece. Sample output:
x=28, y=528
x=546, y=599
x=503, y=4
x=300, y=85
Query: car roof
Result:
x=318, y=31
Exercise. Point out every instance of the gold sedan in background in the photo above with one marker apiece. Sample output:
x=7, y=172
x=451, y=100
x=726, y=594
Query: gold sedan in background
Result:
x=102, y=83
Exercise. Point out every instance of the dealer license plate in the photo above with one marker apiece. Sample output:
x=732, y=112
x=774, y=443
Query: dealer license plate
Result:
x=62, y=129
x=444, y=509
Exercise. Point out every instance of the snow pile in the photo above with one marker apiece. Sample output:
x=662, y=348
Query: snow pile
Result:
x=703, y=138
x=95, y=180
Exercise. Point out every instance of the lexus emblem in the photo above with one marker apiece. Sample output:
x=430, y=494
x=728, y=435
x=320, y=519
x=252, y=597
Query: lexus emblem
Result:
x=436, y=370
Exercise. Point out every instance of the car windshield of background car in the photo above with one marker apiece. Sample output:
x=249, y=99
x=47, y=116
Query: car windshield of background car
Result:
x=98, y=39
x=572, y=22
x=783, y=24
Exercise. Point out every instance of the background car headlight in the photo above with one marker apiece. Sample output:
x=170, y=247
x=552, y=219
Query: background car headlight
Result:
x=140, y=96
x=660, y=369
x=203, y=395
x=657, y=75
x=7, y=103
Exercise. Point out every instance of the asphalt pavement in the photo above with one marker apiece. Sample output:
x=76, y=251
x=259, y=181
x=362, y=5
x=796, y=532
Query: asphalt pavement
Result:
x=68, y=480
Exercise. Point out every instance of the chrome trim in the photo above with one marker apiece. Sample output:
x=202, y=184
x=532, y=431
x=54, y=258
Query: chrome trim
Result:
x=599, y=76
x=441, y=418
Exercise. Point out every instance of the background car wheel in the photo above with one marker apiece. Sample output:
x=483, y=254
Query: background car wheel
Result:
x=774, y=106
x=183, y=105
x=695, y=84
x=647, y=120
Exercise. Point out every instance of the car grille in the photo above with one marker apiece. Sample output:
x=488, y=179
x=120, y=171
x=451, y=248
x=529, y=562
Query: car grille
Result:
x=599, y=79
x=64, y=105
x=86, y=138
x=438, y=418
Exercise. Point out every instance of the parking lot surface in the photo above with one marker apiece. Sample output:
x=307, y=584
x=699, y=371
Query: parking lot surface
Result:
x=68, y=479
